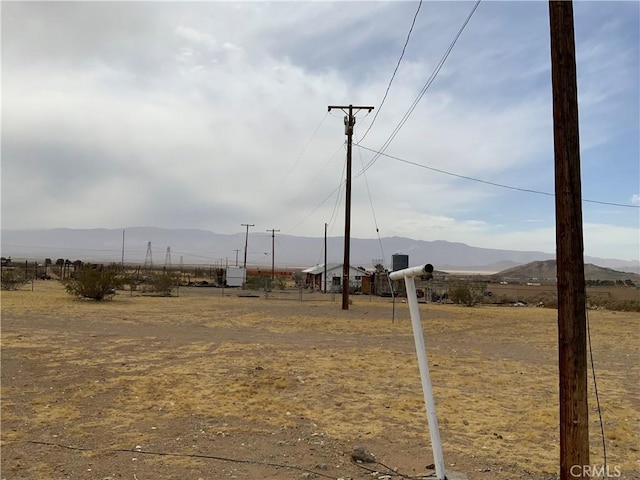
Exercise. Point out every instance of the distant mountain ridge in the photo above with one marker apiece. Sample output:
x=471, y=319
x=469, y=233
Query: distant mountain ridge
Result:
x=196, y=246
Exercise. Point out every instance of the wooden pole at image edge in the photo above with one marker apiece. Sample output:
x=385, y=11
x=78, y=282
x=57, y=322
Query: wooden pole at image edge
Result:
x=572, y=337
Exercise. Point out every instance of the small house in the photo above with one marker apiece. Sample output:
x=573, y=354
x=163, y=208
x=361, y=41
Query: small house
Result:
x=315, y=279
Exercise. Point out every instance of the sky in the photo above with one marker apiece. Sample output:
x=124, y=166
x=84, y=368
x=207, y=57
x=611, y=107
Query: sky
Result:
x=209, y=115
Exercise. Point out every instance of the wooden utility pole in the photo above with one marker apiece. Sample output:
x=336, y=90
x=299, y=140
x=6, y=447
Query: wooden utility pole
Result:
x=246, y=243
x=572, y=330
x=273, y=254
x=122, y=261
x=325, y=258
x=349, y=122
x=237, y=250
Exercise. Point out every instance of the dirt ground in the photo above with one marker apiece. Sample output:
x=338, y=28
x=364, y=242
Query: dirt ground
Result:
x=205, y=386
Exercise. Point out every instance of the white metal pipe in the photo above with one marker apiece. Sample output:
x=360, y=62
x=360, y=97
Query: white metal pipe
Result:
x=411, y=272
x=423, y=364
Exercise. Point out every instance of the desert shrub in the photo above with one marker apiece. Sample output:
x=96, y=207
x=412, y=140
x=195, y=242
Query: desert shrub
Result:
x=467, y=293
x=279, y=283
x=616, y=305
x=12, y=279
x=161, y=284
x=255, y=282
x=93, y=283
x=264, y=282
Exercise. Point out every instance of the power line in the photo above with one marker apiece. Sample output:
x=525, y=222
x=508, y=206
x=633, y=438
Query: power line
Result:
x=304, y=149
x=328, y=162
x=334, y=212
x=394, y=71
x=426, y=86
x=487, y=182
x=375, y=221
x=317, y=207
x=342, y=182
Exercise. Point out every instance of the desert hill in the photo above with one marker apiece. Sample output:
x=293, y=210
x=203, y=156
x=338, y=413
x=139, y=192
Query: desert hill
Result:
x=545, y=271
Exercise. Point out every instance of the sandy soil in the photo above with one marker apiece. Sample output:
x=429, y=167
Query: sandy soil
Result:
x=206, y=386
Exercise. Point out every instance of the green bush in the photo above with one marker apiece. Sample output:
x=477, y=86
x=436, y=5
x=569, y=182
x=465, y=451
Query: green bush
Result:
x=263, y=282
x=12, y=279
x=161, y=284
x=94, y=283
x=467, y=293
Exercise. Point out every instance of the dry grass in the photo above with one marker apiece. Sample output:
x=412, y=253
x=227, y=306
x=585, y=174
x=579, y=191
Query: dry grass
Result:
x=354, y=375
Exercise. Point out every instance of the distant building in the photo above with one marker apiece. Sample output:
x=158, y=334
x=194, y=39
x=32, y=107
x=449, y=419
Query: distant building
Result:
x=314, y=277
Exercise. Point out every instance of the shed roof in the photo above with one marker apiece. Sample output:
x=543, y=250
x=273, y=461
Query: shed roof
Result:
x=319, y=269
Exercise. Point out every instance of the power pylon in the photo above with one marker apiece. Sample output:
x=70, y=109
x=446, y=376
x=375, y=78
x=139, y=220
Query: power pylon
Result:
x=148, y=261
x=167, y=258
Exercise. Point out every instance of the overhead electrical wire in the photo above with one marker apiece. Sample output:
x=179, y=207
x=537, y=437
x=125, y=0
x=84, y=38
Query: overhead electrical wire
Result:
x=304, y=149
x=317, y=207
x=426, y=86
x=334, y=212
x=487, y=182
x=327, y=163
x=394, y=71
x=375, y=221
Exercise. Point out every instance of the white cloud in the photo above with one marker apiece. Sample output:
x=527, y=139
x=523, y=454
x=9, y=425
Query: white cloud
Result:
x=197, y=37
x=195, y=116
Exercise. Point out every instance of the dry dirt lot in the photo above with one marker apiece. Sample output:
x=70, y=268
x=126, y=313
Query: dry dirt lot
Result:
x=209, y=387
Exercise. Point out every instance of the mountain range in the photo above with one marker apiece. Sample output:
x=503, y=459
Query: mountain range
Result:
x=191, y=246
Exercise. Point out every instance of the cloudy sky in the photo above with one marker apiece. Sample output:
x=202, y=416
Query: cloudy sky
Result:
x=208, y=115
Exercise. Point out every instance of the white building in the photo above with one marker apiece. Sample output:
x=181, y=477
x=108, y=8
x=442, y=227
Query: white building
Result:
x=315, y=277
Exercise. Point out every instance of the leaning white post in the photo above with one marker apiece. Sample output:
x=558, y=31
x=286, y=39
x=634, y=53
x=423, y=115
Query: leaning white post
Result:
x=408, y=274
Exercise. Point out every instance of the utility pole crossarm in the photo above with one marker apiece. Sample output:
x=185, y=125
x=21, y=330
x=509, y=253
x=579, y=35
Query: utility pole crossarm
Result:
x=355, y=107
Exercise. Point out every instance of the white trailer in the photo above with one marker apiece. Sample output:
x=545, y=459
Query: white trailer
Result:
x=236, y=276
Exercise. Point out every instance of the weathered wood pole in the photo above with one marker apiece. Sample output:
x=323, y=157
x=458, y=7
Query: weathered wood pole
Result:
x=572, y=331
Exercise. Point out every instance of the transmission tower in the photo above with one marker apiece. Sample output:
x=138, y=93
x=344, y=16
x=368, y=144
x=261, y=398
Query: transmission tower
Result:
x=167, y=258
x=148, y=261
